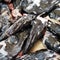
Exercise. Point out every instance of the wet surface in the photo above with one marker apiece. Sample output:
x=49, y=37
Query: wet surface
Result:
x=22, y=32
x=41, y=55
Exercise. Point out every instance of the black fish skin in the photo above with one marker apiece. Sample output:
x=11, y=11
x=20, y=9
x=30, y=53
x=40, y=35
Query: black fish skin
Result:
x=40, y=55
x=51, y=42
x=26, y=30
x=35, y=32
x=16, y=26
x=21, y=22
